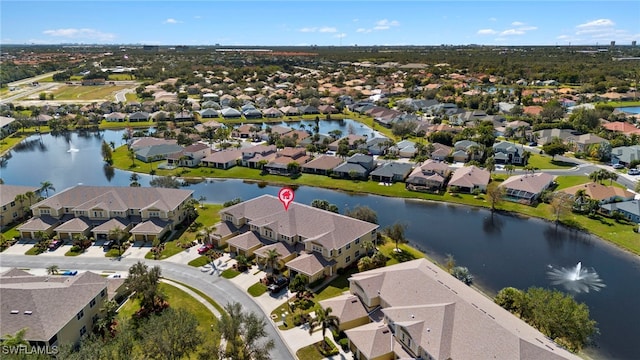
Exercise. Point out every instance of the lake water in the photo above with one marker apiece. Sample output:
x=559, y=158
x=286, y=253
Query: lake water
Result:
x=500, y=251
x=630, y=109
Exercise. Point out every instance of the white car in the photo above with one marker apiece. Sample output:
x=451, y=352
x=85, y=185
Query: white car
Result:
x=633, y=172
x=618, y=166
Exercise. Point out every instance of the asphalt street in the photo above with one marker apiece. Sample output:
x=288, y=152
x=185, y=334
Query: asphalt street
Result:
x=218, y=288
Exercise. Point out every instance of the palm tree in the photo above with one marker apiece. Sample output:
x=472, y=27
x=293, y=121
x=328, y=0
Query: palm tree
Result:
x=580, y=200
x=201, y=200
x=325, y=319
x=118, y=235
x=368, y=246
x=272, y=259
x=46, y=186
x=53, y=270
x=16, y=340
x=490, y=165
x=510, y=169
x=20, y=198
x=30, y=196
x=132, y=157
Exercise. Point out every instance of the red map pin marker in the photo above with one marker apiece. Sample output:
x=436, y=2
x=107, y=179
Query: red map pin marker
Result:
x=286, y=196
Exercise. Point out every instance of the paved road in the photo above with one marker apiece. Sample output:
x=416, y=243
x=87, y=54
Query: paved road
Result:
x=218, y=288
x=121, y=96
x=26, y=91
x=32, y=79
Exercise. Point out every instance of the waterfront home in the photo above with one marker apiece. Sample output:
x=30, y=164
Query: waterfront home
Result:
x=357, y=166
x=54, y=310
x=431, y=175
x=115, y=117
x=352, y=140
x=253, y=155
x=330, y=241
x=604, y=194
x=139, y=116
x=10, y=209
x=142, y=142
x=150, y=212
x=280, y=164
x=230, y=113
x=417, y=310
x=469, y=178
x=224, y=159
x=157, y=152
x=629, y=209
x=6, y=128
x=527, y=188
x=390, y=172
x=622, y=127
x=322, y=165
x=190, y=155
x=243, y=131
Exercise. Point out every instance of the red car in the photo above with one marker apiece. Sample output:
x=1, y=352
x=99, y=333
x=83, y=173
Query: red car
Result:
x=55, y=244
x=204, y=248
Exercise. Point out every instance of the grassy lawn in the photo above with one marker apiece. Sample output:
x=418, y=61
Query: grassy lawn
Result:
x=569, y=181
x=199, y=261
x=257, y=289
x=309, y=352
x=119, y=125
x=178, y=299
x=230, y=273
x=336, y=287
x=546, y=162
x=207, y=216
x=204, y=296
x=620, y=103
x=73, y=253
x=131, y=97
x=407, y=253
x=11, y=232
x=79, y=92
x=9, y=142
x=121, y=77
x=33, y=251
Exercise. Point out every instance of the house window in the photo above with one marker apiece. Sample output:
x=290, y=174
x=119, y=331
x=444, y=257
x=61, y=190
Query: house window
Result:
x=80, y=315
x=4, y=208
x=92, y=303
x=357, y=241
x=15, y=214
x=357, y=253
x=13, y=203
x=348, y=259
x=45, y=211
x=339, y=251
x=103, y=293
x=348, y=246
x=83, y=331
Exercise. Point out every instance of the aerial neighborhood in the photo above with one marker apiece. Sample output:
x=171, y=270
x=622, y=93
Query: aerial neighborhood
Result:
x=549, y=142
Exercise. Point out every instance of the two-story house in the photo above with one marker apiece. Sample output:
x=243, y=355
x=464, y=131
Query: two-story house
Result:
x=255, y=154
x=326, y=241
x=431, y=175
x=189, y=156
x=509, y=153
x=280, y=164
x=147, y=213
x=12, y=210
x=357, y=166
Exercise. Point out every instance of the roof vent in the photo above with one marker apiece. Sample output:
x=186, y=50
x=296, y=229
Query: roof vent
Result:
x=412, y=316
x=28, y=312
x=15, y=311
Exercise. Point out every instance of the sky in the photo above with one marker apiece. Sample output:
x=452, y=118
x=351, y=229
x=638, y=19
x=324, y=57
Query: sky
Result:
x=322, y=23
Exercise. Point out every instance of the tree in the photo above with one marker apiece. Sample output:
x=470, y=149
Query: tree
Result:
x=46, y=186
x=244, y=333
x=365, y=263
x=363, y=213
x=293, y=167
x=132, y=156
x=490, y=165
x=119, y=235
x=53, y=270
x=144, y=283
x=450, y=263
x=495, y=195
x=201, y=200
x=16, y=339
x=555, y=148
x=584, y=120
x=511, y=299
x=272, y=258
x=105, y=323
x=509, y=169
x=299, y=284
x=396, y=233
x=324, y=205
x=165, y=182
x=134, y=180
x=107, y=153
x=20, y=198
x=325, y=320
x=560, y=205
x=172, y=336
x=462, y=273
x=369, y=247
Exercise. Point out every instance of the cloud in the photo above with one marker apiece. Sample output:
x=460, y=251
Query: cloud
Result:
x=171, y=21
x=308, y=29
x=512, y=32
x=341, y=35
x=486, y=32
x=519, y=29
x=363, y=30
x=517, y=23
x=385, y=24
x=73, y=33
x=596, y=24
x=327, y=29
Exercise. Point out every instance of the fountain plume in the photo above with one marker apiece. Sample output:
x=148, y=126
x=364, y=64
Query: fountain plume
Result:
x=576, y=279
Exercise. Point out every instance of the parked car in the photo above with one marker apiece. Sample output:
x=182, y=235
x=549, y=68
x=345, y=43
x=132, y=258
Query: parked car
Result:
x=618, y=166
x=278, y=285
x=204, y=248
x=55, y=244
x=108, y=245
x=634, y=172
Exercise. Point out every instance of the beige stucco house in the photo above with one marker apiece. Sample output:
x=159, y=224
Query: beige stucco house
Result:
x=327, y=241
x=146, y=213
x=10, y=209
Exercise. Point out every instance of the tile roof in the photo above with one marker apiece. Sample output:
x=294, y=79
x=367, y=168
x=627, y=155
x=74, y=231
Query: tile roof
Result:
x=469, y=176
x=115, y=198
x=8, y=193
x=223, y=156
x=600, y=192
x=346, y=307
x=323, y=162
x=373, y=339
x=78, y=224
x=247, y=241
x=309, y=264
x=53, y=301
x=532, y=183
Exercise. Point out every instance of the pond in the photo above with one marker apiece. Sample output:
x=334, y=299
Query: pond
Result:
x=499, y=250
x=630, y=109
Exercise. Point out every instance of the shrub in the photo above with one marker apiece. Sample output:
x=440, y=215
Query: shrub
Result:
x=327, y=348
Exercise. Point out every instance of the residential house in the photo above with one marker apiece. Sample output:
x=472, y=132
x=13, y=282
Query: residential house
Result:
x=323, y=165
x=151, y=211
x=331, y=241
x=527, y=188
x=625, y=155
x=469, y=178
x=230, y=113
x=285, y=253
x=357, y=166
x=466, y=150
x=328, y=109
x=431, y=175
x=508, y=153
x=115, y=117
x=12, y=210
x=390, y=172
x=404, y=149
x=243, y=131
x=6, y=127
x=280, y=164
x=190, y=155
x=419, y=311
x=349, y=309
x=629, y=209
x=622, y=127
x=54, y=310
x=206, y=126
x=440, y=152
x=157, y=152
x=251, y=112
x=376, y=146
x=352, y=139
x=224, y=159
x=252, y=156
x=582, y=142
x=272, y=113
x=290, y=111
x=547, y=135
x=604, y=194
x=309, y=110
x=209, y=113
x=183, y=116
x=139, y=116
